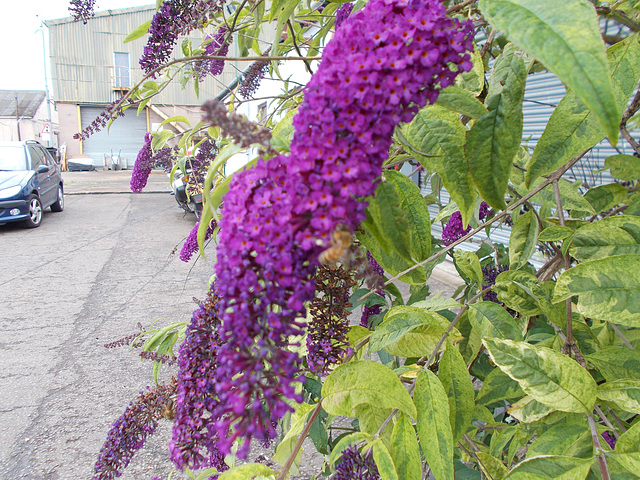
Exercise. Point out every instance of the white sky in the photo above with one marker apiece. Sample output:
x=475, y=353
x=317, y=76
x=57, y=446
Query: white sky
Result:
x=21, y=51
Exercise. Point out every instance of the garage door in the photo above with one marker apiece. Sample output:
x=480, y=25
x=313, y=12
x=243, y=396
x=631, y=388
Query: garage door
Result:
x=126, y=135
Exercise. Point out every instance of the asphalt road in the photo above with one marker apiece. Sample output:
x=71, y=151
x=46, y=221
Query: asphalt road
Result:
x=86, y=277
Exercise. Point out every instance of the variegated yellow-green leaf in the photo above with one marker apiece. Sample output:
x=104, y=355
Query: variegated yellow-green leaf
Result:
x=494, y=138
x=433, y=424
x=570, y=196
x=474, y=79
x=469, y=263
x=607, y=289
x=551, y=467
x=616, y=235
x=548, y=376
x=623, y=167
x=498, y=386
x=438, y=132
x=629, y=441
x=461, y=100
x=520, y=291
x=491, y=466
x=457, y=384
x=285, y=447
x=555, y=233
x=405, y=450
x=523, y=240
x=247, y=472
x=355, y=383
x=492, y=320
x=573, y=127
x=565, y=37
x=345, y=442
x=615, y=363
x=414, y=207
x=624, y=394
x=390, y=220
x=384, y=462
x=529, y=410
x=371, y=417
x=563, y=439
x=410, y=332
x=624, y=465
x=604, y=197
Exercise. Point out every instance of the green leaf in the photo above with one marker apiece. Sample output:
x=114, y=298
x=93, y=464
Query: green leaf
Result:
x=571, y=198
x=139, y=31
x=520, y=291
x=371, y=418
x=355, y=383
x=492, y=320
x=607, y=289
x=624, y=394
x=345, y=442
x=565, y=37
x=624, y=465
x=384, y=462
x=282, y=133
x=523, y=240
x=563, y=439
x=572, y=127
x=176, y=118
x=473, y=80
x=616, y=362
x=410, y=332
x=529, y=410
x=457, y=384
x=433, y=424
x=491, y=466
x=555, y=233
x=160, y=138
x=461, y=100
x=469, y=263
x=494, y=139
x=604, y=197
x=610, y=236
x=498, y=386
x=551, y=467
x=438, y=131
x=391, y=223
x=285, y=447
x=551, y=378
x=405, y=450
x=623, y=167
x=417, y=214
x=629, y=441
x=246, y=472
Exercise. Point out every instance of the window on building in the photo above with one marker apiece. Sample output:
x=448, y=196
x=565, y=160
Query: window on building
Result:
x=122, y=77
x=262, y=113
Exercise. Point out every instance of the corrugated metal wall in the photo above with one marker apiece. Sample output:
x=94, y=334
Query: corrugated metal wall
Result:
x=82, y=59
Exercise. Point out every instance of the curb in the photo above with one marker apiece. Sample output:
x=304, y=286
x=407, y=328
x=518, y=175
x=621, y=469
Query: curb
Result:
x=115, y=192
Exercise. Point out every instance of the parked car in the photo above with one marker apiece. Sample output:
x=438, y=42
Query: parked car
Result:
x=30, y=181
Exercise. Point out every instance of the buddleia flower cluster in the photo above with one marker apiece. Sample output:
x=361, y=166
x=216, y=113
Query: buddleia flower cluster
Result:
x=454, y=231
x=190, y=245
x=489, y=275
x=207, y=151
x=218, y=45
x=82, y=9
x=384, y=63
x=129, y=433
x=193, y=442
x=370, y=311
x=327, y=343
x=110, y=113
x=147, y=161
x=252, y=77
x=342, y=13
x=242, y=131
x=353, y=465
x=174, y=18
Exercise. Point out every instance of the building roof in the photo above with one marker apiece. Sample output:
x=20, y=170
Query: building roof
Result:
x=104, y=13
x=28, y=102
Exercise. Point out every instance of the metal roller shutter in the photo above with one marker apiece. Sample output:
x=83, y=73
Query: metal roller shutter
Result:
x=126, y=135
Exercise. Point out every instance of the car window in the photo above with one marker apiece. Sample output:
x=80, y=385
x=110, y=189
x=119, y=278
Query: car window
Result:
x=12, y=158
x=37, y=158
x=48, y=157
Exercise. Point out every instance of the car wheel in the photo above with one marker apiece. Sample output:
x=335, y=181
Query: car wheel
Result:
x=59, y=205
x=35, y=212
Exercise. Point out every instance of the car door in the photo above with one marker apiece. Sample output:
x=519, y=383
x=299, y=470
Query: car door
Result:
x=44, y=183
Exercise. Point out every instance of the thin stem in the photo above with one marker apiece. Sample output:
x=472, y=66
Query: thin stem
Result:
x=618, y=421
x=459, y=6
x=303, y=435
x=607, y=422
x=295, y=45
x=488, y=43
x=629, y=139
x=604, y=468
x=618, y=16
x=557, y=174
x=621, y=335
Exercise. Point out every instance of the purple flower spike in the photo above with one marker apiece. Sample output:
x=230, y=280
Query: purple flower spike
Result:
x=355, y=466
x=383, y=64
x=147, y=161
x=191, y=243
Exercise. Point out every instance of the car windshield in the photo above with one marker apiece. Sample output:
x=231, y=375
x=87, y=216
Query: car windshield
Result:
x=12, y=158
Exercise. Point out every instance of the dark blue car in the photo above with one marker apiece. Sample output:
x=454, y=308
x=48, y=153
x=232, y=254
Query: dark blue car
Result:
x=30, y=181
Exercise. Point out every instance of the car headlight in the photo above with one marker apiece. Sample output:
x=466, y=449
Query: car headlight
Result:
x=10, y=192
